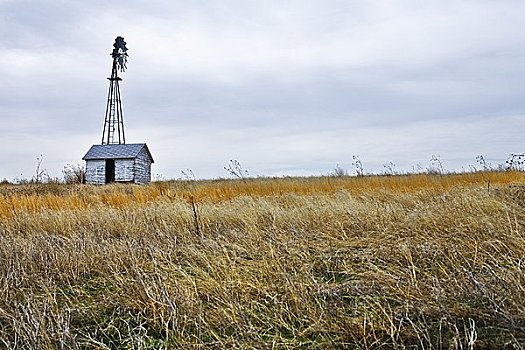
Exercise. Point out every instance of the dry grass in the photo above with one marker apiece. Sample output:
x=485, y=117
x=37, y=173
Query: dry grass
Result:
x=416, y=261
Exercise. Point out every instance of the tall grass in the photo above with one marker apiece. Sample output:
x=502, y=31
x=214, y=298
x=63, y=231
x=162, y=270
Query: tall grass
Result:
x=371, y=262
x=37, y=197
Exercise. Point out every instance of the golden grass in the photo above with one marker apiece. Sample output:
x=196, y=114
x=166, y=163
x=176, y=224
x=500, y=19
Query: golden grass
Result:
x=373, y=262
x=37, y=197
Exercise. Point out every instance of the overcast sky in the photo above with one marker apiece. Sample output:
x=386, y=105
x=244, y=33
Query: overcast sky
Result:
x=285, y=87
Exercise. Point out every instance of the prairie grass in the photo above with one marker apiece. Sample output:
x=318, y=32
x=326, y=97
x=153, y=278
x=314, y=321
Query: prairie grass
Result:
x=393, y=262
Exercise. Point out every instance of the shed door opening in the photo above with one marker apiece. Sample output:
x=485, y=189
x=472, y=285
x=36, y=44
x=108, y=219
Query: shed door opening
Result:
x=110, y=170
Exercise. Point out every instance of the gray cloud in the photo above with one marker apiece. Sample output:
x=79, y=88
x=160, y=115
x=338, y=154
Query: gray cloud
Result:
x=286, y=88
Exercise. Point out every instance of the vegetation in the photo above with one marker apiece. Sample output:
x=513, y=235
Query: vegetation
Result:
x=367, y=262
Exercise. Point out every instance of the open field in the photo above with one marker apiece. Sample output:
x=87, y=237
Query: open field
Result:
x=394, y=262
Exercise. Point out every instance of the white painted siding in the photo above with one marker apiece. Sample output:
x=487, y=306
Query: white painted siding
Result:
x=142, y=168
x=96, y=172
x=124, y=170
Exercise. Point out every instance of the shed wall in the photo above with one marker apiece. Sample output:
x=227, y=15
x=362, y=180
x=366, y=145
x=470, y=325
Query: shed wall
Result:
x=124, y=170
x=142, y=168
x=96, y=171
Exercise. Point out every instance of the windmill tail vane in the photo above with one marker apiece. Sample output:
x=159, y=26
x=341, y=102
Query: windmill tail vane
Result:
x=113, y=132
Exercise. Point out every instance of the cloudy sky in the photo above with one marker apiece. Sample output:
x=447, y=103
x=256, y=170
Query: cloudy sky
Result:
x=285, y=87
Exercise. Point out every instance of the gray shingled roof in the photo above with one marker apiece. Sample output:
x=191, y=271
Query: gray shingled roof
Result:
x=127, y=151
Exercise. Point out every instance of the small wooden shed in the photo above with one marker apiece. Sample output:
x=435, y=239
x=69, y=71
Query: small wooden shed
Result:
x=118, y=163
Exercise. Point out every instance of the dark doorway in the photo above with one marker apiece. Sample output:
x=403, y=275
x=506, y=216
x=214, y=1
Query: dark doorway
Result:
x=110, y=170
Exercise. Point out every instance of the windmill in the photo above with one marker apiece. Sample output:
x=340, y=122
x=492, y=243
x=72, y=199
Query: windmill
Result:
x=113, y=132
x=114, y=160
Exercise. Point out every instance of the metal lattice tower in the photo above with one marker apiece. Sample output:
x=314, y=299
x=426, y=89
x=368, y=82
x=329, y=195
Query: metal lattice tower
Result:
x=113, y=132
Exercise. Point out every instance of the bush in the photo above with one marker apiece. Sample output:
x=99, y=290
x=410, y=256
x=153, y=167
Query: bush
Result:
x=74, y=174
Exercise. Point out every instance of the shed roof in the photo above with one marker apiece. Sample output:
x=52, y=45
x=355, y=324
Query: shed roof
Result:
x=126, y=151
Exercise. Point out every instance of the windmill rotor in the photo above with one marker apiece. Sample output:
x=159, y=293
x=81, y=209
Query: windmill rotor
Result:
x=120, y=54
